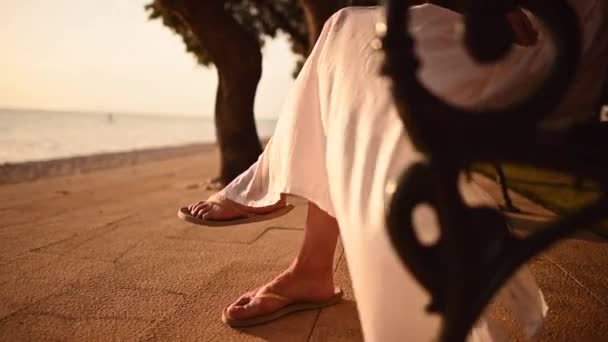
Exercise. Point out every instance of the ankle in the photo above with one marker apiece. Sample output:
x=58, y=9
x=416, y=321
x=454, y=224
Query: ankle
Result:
x=308, y=268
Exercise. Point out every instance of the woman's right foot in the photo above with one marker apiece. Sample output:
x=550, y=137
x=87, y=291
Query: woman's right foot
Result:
x=289, y=287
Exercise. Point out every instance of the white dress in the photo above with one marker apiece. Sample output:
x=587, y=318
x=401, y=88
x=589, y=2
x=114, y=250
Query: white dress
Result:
x=339, y=142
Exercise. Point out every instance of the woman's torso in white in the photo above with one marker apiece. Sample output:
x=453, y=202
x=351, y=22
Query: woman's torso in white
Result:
x=339, y=143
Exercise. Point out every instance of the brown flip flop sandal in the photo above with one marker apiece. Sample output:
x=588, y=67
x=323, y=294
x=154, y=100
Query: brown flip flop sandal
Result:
x=286, y=310
x=184, y=214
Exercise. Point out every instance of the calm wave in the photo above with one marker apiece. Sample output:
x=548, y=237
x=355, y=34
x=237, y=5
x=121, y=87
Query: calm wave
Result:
x=41, y=135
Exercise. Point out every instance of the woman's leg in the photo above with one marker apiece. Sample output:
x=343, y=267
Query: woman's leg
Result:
x=309, y=278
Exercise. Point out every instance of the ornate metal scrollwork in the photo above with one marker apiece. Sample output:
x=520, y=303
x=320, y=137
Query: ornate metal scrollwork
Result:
x=462, y=273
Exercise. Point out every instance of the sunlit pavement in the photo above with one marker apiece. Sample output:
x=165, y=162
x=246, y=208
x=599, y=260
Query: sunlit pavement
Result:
x=102, y=256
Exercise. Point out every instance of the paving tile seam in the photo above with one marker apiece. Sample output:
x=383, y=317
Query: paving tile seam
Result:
x=340, y=259
x=85, y=318
x=255, y=239
x=67, y=255
x=27, y=222
x=97, y=232
x=313, y=325
x=148, y=289
x=16, y=312
x=97, y=203
x=578, y=282
x=70, y=288
x=204, y=241
x=52, y=218
x=189, y=250
x=36, y=269
x=184, y=250
x=245, y=243
x=126, y=251
x=71, y=257
x=56, y=254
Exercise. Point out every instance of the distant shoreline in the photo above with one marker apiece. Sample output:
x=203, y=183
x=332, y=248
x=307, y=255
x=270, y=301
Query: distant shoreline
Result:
x=21, y=172
x=169, y=115
x=12, y=173
x=102, y=113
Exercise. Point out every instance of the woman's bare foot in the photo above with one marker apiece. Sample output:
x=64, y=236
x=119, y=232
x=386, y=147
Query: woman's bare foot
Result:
x=218, y=207
x=309, y=279
x=291, y=286
x=215, y=184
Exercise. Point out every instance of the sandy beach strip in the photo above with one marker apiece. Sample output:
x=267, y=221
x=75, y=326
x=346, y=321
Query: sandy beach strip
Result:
x=12, y=173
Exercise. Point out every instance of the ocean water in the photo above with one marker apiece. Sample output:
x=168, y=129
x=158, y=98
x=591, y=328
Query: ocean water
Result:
x=43, y=135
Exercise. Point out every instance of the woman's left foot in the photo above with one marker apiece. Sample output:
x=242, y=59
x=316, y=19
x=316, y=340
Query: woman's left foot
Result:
x=290, y=287
x=220, y=208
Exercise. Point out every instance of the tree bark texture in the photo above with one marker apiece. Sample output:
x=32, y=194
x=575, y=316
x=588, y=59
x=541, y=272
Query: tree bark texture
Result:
x=236, y=54
x=316, y=13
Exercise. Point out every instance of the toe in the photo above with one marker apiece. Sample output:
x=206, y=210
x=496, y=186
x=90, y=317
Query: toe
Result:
x=239, y=312
x=204, y=216
x=217, y=212
x=213, y=211
x=200, y=205
x=193, y=205
x=237, y=309
x=251, y=305
x=242, y=301
x=199, y=209
x=248, y=308
x=204, y=213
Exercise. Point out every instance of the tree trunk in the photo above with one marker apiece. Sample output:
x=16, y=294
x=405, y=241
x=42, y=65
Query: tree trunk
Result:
x=316, y=13
x=236, y=54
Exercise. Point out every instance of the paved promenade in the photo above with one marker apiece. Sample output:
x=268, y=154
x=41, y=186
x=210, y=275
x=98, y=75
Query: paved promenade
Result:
x=102, y=257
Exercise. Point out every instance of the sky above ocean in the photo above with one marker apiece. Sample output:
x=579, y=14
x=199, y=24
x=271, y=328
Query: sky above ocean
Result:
x=106, y=56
